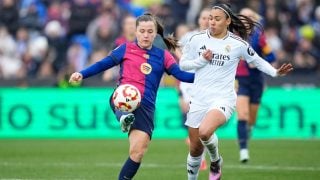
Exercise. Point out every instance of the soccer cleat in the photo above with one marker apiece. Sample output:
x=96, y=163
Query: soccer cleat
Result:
x=244, y=155
x=126, y=122
x=203, y=165
x=215, y=169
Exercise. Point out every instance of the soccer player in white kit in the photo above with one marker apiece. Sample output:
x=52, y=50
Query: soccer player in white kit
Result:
x=214, y=55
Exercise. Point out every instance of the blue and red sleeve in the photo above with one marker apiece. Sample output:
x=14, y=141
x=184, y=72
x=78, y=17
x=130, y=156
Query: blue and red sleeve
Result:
x=266, y=49
x=172, y=68
x=113, y=59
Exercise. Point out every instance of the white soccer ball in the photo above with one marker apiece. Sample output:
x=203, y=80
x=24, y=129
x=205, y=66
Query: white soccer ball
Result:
x=126, y=98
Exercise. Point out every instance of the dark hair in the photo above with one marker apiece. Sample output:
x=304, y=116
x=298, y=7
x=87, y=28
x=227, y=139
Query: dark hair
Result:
x=240, y=24
x=170, y=41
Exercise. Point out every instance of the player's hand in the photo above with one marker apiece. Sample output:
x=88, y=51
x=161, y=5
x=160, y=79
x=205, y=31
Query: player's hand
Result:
x=207, y=54
x=75, y=77
x=284, y=69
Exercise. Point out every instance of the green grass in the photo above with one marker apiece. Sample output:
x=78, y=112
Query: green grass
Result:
x=165, y=160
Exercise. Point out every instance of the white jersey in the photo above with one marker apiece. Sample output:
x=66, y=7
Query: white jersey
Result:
x=214, y=80
x=185, y=87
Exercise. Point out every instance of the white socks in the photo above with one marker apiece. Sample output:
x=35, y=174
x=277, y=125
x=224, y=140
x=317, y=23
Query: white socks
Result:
x=193, y=165
x=212, y=147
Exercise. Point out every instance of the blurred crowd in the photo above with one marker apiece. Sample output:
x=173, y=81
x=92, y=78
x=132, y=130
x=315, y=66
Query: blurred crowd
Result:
x=53, y=38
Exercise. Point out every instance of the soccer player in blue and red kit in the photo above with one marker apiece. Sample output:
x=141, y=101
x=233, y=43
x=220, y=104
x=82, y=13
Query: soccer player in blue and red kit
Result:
x=142, y=65
x=250, y=84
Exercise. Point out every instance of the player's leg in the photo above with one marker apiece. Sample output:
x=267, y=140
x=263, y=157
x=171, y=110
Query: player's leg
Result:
x=255, y=99
x=125, y=119
x=139, y=142
x=242, y=126
x=243, y=102
x=139, y=138
x=184, y=105
x=213, y=119
x=195, y=154
x=254, y=107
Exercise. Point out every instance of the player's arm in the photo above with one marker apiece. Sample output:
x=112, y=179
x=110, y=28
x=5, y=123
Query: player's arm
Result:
x=190, y=59
x=252, y=57
x=106, y=63
x=267, y=52
x=179, y=74
x=172, y=68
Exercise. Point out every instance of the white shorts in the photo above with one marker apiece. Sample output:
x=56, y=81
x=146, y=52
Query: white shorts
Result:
x=194, y=118
x=186, y=89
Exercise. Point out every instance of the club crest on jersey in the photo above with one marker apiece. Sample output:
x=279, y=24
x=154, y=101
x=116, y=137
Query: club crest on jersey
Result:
x=228, y=48
x=145, y=68
x=250, y=51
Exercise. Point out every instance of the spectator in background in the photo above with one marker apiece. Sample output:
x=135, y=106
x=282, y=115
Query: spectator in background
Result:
x=78, y=53
x=22, y=41
x=306, y=55
x=32, y=15
x=111, y=7
x=10, y=63
x=179, y=9
x=82, y=13
x=128, y=29
x=59, y=11
x=57, y=45
x=9, y=15
x=102, y=32
x=35, y=56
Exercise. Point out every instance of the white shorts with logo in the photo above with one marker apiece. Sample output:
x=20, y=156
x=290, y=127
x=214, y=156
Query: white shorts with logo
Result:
x=196, y=113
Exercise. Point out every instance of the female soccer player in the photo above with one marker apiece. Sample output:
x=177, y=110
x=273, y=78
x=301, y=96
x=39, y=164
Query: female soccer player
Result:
x=141, y=65
x=250, y=83
x=214, y=55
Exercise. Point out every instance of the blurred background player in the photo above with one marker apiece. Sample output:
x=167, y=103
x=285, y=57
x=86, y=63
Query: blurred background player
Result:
x=185, y=88
x=250, y=84
x=141, y=65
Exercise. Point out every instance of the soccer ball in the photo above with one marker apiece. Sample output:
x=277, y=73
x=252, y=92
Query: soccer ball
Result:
x=126, y=98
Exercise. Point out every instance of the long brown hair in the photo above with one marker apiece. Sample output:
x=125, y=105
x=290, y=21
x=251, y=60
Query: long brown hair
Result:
x=240, y=24
x=170, y=41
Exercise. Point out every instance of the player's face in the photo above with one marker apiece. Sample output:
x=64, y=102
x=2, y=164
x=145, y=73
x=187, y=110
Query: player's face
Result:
x=203, y=20
x=218, y=23
x=145, y=33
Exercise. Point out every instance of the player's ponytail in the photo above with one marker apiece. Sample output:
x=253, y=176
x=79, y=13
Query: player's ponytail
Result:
x=240, y=24
x=170, y=41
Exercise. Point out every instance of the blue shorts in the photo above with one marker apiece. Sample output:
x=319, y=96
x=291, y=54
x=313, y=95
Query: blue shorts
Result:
x=144, y=118
x=251, y=87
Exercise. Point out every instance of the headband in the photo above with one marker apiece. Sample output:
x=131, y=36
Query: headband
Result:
x=225, y=11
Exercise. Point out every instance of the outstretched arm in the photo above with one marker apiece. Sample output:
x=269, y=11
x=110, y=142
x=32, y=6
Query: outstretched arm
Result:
x=94, y=69
x=265, y=67
x=284, y=69
x=111, y=60
x=181, y=75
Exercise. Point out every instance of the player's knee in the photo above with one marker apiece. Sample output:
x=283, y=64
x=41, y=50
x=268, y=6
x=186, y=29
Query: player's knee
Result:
x=204, y=134
x=243, y=115
x=137, y=155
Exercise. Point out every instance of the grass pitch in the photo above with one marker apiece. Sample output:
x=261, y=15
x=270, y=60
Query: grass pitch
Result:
x=102, y=159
